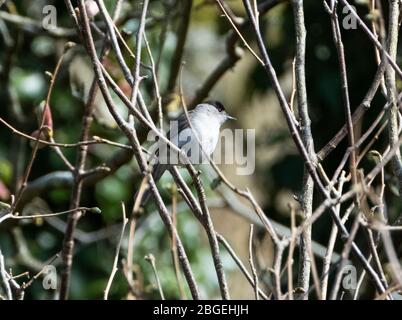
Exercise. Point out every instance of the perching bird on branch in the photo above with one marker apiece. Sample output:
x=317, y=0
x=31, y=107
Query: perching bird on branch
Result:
x=197, y=140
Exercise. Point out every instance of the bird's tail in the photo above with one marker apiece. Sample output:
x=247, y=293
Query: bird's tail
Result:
x=157, y=172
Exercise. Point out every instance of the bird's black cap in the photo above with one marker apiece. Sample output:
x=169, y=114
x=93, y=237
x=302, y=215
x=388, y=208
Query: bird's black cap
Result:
x=218, y=105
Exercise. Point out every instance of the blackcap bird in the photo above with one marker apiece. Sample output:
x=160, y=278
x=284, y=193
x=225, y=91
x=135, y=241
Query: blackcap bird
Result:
x=197, y=141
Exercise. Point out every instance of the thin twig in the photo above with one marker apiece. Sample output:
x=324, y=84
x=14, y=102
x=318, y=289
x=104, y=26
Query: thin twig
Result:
x=47, y=215
x=151, y=259
x=251, y=261
x=116, y=257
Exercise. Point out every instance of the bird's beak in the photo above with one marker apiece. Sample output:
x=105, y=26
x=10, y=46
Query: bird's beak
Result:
x=230, y=117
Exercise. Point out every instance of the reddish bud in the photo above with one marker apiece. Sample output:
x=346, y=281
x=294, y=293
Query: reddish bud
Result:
x=47, y=117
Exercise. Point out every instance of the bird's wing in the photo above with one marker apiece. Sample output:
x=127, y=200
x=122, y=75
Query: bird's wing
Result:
x=182, y=133
x=182, y=124
x=182, y=130
x=179, y=136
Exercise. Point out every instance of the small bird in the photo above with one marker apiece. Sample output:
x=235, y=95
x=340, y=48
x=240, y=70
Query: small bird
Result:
x=206, y=120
